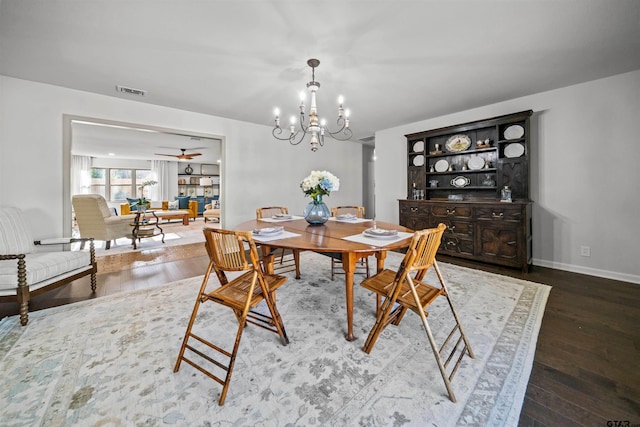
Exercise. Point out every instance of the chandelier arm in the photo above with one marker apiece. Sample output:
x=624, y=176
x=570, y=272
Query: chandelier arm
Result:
x=346, y=132
x=291, y=138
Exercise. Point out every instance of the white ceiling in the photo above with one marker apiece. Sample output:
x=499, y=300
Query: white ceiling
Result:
x=395, y=61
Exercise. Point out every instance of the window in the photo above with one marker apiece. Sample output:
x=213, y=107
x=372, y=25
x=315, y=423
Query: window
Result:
x=118, y=184
x=98, y=183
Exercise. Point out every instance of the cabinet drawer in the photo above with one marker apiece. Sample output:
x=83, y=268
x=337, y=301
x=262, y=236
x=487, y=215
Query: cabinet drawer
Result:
x=452, y=211
x=499, y=213
x=452, y=244
x=414, y=222
x=408, y=208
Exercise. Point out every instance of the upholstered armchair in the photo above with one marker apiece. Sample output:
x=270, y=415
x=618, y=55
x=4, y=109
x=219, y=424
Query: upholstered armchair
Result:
x=211, y=213
x=96, y=220
x=25, y=271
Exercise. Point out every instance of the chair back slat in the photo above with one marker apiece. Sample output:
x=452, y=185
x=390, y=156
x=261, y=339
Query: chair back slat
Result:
x=227, y=249
x=358, y=211
x=427, y=244
x=269, y=211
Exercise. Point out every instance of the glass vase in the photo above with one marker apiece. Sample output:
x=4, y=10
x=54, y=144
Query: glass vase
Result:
x=316, y=212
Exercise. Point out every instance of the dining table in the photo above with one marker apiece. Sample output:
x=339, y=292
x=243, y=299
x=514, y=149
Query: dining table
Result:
x=344, y=237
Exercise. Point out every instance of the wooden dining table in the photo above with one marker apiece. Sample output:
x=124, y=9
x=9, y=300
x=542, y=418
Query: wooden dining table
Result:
x=330, y=238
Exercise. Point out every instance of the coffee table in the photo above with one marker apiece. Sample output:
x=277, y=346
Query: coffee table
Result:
x=180, y=214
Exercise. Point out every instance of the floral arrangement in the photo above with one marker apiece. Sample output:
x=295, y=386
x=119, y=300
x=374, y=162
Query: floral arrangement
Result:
x=320, y=183
x=147, y=183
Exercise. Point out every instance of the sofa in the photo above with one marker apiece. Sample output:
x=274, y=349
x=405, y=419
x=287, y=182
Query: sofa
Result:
x=191, y=206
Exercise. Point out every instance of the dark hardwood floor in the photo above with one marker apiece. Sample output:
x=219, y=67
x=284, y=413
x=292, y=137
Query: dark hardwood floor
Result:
x=586, y=368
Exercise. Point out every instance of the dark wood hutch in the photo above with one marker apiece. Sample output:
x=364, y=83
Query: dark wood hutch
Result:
x=457, y=175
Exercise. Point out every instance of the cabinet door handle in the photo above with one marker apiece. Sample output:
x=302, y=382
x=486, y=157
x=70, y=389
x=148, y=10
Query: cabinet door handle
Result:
x=497, y=215
x=414, y=209
x=452, y=228
x=451, y=212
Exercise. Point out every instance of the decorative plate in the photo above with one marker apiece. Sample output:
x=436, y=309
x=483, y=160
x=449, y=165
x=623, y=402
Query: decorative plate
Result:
x=418, y=146
x=475, y=163
x=458, y=143
x=514, y=150
x=460, y=181
x=418, y=160
x=441, y=165
x=268, y=231
x=514, y=132
x=380, y=233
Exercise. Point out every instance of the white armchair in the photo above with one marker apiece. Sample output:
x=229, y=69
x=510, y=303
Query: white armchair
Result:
x=96, y=220
x=25, y=271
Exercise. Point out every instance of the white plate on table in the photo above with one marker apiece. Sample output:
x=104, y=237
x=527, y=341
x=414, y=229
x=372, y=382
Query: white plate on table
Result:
x=441, y=165
x=268, y=231
x=514, y=150
x=282, y=216
x=346, y=217
x=380, y=233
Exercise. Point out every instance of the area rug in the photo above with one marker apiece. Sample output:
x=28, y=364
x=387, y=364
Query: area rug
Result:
x=109, y=361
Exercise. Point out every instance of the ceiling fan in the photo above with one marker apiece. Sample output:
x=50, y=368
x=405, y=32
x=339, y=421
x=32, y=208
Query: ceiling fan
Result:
x=183, y=156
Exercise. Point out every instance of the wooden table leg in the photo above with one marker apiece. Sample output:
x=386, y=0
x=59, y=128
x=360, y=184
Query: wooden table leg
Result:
x=267, y=258
x=380, y=257
x=349, y=260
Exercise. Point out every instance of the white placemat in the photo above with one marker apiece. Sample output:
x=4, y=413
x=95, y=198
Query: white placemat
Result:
x=376, y=241
x=293, y=218
x=352, y=221
x=283, y=235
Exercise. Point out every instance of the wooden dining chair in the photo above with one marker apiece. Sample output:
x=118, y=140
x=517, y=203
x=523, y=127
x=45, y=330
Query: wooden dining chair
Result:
x=227, y=253
x=362, y=267
x=401, y=291
x=289, y=259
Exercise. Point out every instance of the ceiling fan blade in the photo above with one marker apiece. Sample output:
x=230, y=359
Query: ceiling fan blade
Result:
x=170, y=155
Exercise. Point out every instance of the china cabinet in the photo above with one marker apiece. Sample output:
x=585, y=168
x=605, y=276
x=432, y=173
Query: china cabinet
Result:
x=461, y=176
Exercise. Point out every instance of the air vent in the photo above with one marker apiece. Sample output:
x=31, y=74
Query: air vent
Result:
x=131, y=91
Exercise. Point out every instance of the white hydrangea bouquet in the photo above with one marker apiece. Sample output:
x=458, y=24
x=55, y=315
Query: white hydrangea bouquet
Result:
x=320, y=183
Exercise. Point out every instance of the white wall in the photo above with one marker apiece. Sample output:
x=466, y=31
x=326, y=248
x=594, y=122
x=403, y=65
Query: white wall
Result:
x=258, y=170
x=585, y=173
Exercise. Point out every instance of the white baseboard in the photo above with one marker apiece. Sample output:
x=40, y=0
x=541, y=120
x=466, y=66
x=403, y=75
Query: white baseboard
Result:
x=623, y=277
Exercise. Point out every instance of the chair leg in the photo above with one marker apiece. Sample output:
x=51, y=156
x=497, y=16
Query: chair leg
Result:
x=381, y=321
x=436, y=354
x=278, y=323
x=187, y=333
x=232, y=361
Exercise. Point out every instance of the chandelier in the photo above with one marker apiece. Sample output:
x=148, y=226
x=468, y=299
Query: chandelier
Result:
x=315, y=127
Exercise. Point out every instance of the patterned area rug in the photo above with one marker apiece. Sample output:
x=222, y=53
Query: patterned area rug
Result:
x=109, y=361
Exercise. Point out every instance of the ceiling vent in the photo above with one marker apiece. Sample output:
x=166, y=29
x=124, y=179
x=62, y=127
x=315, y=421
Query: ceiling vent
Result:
x=131, y=91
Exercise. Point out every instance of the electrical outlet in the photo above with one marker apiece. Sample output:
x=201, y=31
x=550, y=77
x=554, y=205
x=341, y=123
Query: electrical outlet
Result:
x=585, y=250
